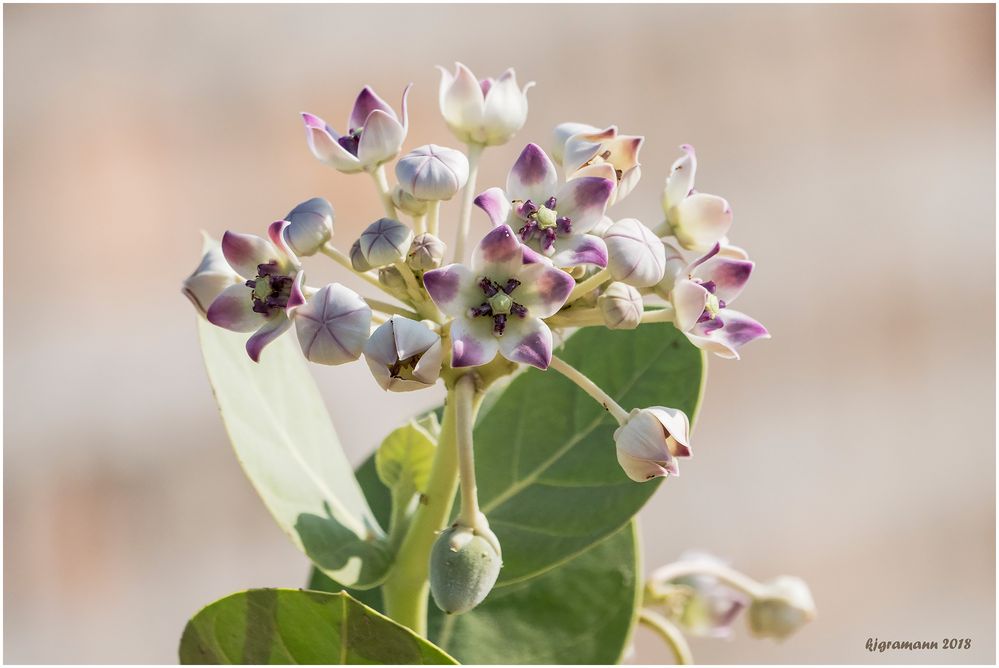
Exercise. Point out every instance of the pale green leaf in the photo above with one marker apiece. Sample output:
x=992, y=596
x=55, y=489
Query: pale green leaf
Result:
x=405, y=457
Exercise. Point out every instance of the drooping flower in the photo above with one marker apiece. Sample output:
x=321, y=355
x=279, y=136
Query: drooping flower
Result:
x=404, y=355
x=635, y=254
x=374, y=134
x=498, y=303
x=551, y=219
x=212, y=276
x=333, y=325
x=650, y=440
x=432, y=172
x=697, y=220
x=705, y=607
x=258, y=304
x=487, y=112
x=311, y=226
x=701, y=294
x=585, y=150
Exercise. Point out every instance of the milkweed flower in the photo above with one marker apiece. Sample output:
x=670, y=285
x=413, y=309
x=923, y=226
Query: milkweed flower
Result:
x=311, y=226
x=432, y=172
x=374, y=134
x=786, y=606
x=697, y=220
x=635, y=254
x=333, y=325
x=709, y=608
x=551, y=219
x=258, y=304
x=498, y=303
x=385, y=241
x=487, y=112
x=404, y=355
x=701, y=295
x=650, y=440
x=584, y=150
x=212, y=276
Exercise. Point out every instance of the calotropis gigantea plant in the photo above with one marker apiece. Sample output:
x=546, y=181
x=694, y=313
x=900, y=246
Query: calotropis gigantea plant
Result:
x=571, y=344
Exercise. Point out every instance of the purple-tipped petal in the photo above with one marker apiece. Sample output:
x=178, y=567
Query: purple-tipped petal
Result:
x=584, y=200
x=499, y=255
x=381, y=140
x=527, y=341
x=496, y=205
x=453, y=288
x=244, y=252
x=728, y=274
x=532, y=177
x=323, y=143
x=274, y=327
x=472, y=342
x=232, y=310
x=532, y=256
x=297, y=296
x=543, y=289
x=580, y=249
x=276, y=233
x=689, y=299
x=738, y=330
x=367, y=102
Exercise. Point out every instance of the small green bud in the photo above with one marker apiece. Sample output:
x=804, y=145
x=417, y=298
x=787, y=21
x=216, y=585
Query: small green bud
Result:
x=785, y=608
x=464, y=565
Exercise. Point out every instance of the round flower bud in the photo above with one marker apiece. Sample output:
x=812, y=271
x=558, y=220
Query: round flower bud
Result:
x=357, y=260
x=407, y=203
x=634, y=254
x=786, y=607
x=621, y=306
x=333, y=325
x=404, y=355
x=432, y=172
x=425, y=253
x=650, y=440
x=385, y=242
x=464, y=565
x=311, y=226
x=392, y=278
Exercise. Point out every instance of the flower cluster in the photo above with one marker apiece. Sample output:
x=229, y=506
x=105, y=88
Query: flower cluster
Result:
x=554, y=259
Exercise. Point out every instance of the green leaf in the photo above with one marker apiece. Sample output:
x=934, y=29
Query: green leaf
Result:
x=404, y=459
x=286, y=626
x=284, y=440
x=548, y=476
x=581, y=612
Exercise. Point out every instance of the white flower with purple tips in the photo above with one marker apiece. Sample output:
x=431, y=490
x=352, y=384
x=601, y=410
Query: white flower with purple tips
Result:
x=499, y=302
x=551, y=219
x=697, y=220
x=585, y=150
x=487, y=112
x=374, y=134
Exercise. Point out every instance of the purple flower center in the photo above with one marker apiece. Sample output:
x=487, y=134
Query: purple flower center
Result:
x=499, y=303
x=709, y=316
x=271, y=288
x=351, y=141
x=544, y=223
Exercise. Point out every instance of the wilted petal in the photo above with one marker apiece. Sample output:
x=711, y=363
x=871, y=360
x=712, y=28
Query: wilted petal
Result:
x=680, y=181
x=527, y=341
x=233, y=309
x=472, y=342
x=245, y=252
x=580, y=249
x=367, y=102
x=738, y=330
x=498, y=255
x=381, y=140
x=543, y=289
x=496, y=205
x=274, y=327
x=532, y=177
x=701, y=220
x=400, y=339
x=453, y=288
x=689, y=300
x=333, y=325
x=584, y=201
x=728, y=274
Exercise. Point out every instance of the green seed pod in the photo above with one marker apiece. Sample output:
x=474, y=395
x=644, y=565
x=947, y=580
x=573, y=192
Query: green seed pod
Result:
x=464, y=566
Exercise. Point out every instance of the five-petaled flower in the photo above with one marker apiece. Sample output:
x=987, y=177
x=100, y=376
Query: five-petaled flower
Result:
x=259, y=304
x=498, y=303
x=487, y=112
x=555, y=220
x=404, y=355
x=374, y=134
x=584, y=150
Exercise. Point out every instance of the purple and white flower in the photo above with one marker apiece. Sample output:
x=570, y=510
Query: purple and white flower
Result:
x=697, y=220
x=258, y=304
x=701, y=294
x=212, y=276
x=585, y=150
x=404, y=355
x=333, y=325
x=499, y=302
x=650, y=440
x=551, y=219
x=432, y=173
x=374, y=134
x=708, y=608
x=487, y=112
x=311, y=226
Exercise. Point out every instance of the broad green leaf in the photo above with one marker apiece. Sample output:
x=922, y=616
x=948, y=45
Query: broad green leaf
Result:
x=404, y=459
x=548, y=476
x=286, y=626
x=581, y=612
x=284, y=440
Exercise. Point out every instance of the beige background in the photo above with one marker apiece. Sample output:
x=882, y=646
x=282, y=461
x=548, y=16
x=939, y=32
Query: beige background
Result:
x=856, y=144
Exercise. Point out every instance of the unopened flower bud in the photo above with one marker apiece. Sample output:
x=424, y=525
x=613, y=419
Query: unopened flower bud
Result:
x=212, y=276
x=432, y=172
x=621, y=306
x=311, y=226
x=650, y=440
x=392, y=278
x=425, y=253
x=385, y=242
x=333, y=325
x=634, y=254
x=404, y=355
x=464, y=565
x=407, y=203
x=487, y=112
x=357, y=260
x=786, y=607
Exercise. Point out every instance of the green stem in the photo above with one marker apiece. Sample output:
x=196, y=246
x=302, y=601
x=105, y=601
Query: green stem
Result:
x=590, y=388
x=385, y=307
x=332, y=252
x=382, y=186
x=590, y=284
x=669, y=633
x=723, y=573
x=433, y=218
x=464, y=399
x=467, y=195
x=406, y=589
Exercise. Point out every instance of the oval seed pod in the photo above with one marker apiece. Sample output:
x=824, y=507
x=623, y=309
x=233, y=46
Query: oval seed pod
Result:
x=464, y=566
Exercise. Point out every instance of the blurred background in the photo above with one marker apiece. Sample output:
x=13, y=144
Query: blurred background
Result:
x=855, y=143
